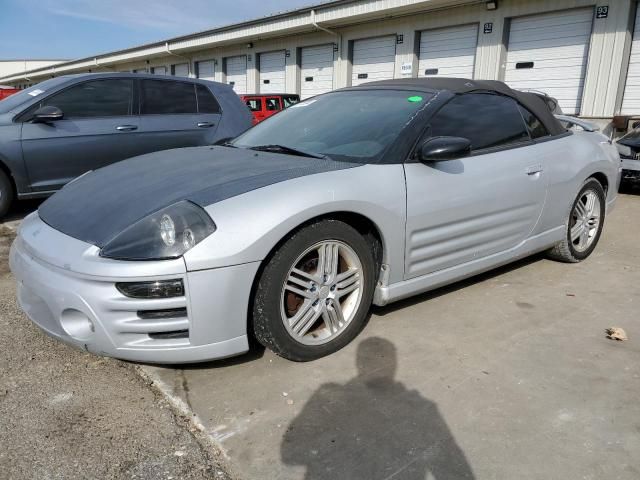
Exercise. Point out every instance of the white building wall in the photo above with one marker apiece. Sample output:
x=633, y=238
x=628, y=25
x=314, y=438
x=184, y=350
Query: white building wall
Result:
x=608, y=49
x=13, y=67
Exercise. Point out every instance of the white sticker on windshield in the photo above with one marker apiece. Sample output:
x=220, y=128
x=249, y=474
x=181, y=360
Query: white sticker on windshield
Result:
x=36, y=92
x=303, y=104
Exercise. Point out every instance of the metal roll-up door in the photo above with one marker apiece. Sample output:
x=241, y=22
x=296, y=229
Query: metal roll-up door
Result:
x=549, y=53
x=272, y=72
x=631, y=98
x=448, y=52
x=159, y=70
x=373, y=59
x=316, y=70
x=207, y=70
x=181, y=70
x=236, y=71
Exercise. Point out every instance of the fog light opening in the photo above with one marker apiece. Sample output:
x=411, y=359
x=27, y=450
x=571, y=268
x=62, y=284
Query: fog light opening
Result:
x=77, y=325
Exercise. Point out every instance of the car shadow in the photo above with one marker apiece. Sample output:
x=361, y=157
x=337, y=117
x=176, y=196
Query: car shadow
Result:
x=373, y=426
x=454, y=287
x=21, y=209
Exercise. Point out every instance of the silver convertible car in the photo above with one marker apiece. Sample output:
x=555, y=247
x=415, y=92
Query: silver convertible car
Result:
x=290, y=232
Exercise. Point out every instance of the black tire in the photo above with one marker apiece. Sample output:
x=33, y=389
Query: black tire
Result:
x=6, y=194
x=268, y=325
x=566, y=251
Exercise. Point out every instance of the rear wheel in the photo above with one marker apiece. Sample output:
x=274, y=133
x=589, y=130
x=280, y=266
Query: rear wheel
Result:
x=584, y=225
x=6, y=194
x=314, y=293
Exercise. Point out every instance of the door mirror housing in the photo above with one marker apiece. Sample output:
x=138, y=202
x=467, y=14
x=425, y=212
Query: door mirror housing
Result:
x=438, y=149
x=47, y=114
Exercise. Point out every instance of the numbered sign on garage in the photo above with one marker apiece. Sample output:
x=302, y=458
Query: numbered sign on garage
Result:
x=373, y=59
x=316, y=70
x=549, y=53
x=448, y=52
x=236, y=72
x=206, y=70
x=272, y=72
x=631, y=99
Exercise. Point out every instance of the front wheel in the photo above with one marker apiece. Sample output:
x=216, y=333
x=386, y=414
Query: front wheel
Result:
x=314, y=293
x=584, y=225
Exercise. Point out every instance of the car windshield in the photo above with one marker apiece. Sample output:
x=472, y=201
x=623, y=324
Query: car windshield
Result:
x=356, y=125
x=17, y=99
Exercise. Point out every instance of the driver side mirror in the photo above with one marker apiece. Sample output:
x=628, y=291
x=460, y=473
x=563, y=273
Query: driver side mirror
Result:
x=47, y=114
x=438, y=149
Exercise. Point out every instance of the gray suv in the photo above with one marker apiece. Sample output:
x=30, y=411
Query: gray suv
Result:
x=63, y=127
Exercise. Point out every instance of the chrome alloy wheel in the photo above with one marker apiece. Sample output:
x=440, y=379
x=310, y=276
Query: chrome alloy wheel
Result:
x=322, y=292
x=585, y=221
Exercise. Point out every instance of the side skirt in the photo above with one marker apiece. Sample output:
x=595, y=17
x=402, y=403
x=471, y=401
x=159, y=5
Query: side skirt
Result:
x=385, y=294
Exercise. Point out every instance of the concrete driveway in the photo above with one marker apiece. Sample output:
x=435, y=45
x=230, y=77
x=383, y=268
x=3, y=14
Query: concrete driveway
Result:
x=506, y=376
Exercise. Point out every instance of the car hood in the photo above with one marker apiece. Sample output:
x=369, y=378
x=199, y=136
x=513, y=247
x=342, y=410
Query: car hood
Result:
x=631, y=139
x=99, y=205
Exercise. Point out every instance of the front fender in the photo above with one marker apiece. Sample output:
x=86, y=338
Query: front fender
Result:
x=249, y=226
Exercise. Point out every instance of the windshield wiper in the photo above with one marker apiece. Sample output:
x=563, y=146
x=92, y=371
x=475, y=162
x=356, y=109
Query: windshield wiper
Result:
x=285, y=149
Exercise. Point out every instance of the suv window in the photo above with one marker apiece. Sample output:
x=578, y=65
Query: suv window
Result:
x=207, y=103
x=272, y=104
x=160, y=97
x=487, y=120
x=97, y=98
x=254, y=104
x=535, y=126
x=290, y=100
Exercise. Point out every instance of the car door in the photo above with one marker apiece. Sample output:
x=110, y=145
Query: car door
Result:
x=255, y=105
x=470, y=208
x=99, y=127
x=272, y=106
x=169, y=114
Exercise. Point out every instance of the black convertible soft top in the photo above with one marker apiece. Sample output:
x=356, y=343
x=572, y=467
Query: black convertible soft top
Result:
x=462, y=85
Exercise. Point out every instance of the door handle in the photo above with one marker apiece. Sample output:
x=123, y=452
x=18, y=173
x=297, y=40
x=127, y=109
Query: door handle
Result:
x=533, y=169
x=126, y=128
x=205, y=124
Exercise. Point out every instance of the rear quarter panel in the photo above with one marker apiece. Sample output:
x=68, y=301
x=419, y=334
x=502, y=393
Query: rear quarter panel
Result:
x=578, y=157
x=249, y=226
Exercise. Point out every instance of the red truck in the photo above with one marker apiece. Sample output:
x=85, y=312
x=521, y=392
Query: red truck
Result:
x=263, y=106
x=6, y=91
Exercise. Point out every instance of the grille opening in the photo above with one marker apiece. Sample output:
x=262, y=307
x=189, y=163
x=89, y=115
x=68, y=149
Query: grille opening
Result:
x=169, y=335
x=162, y=314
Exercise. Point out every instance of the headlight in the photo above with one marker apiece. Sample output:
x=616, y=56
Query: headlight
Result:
x=167, y=233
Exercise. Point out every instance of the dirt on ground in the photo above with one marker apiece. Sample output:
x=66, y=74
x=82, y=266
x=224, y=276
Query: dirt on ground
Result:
x=66, y=414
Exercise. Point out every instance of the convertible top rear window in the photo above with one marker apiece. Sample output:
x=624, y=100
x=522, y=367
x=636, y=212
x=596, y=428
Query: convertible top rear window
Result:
x=352, y=125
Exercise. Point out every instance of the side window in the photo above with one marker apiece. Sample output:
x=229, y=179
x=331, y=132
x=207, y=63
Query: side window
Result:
x=162, y=97
x=535, y=126
x=486, y=120
x=254, y=104
x=98, y=98
x=207, y=103
x=272, y=104
x=288, y=101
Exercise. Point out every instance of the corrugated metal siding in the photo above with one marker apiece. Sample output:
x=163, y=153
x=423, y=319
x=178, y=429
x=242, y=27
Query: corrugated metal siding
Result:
x=549, y=53
x=631, y=98
x=449, y=52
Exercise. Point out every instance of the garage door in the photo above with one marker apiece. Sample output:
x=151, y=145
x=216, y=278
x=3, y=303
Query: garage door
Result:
x=181, y=70
x=448, y=52
x=549, y=53
x=272, y=72
x=207, y=70
x=373, y=59
x=236, y=70
x=316, y=70
x=159, y=70
x=631, y=99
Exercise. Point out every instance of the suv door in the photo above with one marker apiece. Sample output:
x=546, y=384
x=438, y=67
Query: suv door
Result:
x=272, y=106
x=470, y=208
x=99, y=127
x=177, y=114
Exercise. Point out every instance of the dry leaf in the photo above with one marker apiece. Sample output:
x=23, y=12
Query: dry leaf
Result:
x=616, y=333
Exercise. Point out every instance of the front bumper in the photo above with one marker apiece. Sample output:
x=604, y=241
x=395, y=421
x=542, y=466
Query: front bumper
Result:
x=87, y=311
x=630, y=170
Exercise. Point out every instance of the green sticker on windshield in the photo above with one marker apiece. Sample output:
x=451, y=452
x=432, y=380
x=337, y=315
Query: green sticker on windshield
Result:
x=415, y=98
